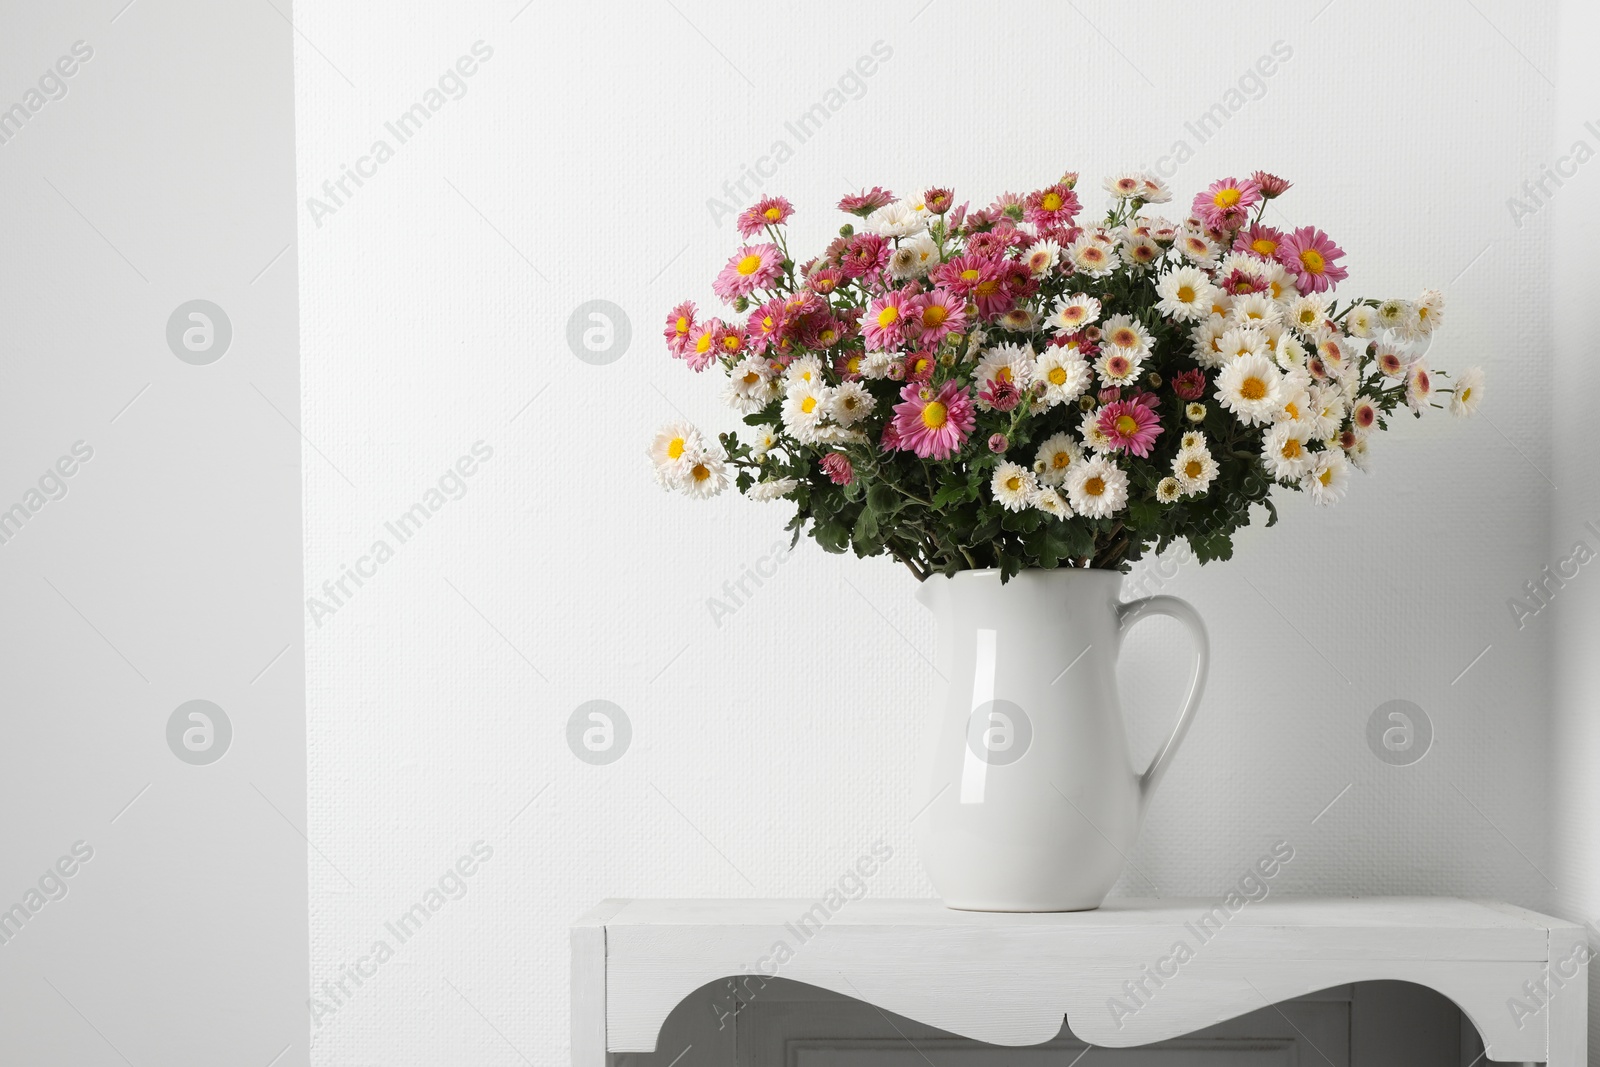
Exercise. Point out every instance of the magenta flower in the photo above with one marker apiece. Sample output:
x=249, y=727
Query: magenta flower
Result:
x=768, y=211
x=866, y=253
x=1271, y=185
x=752, y=267
x=1225, y=204
x=1190, y=384
x=679, y=328
x=1311, y=256
x=919, y=366
x=701, y=351
x=935, y=316
x=938, y=199
x=1001, y=394
x=836, y=465
x=933, y=425
x=765, y=325
x=1052, y=206
x=998, y=443
x=866, y=202
x=1130, y=426
x=885, y=324
x=1260, y=239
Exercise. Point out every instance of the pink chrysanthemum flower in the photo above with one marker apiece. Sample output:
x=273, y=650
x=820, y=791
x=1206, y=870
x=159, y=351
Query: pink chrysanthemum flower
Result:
x=866, y=202
x=933, y=425
x=768, y=211
x=885, y=324
x=847, y=365
x=1055, y=205
x=919, y=366
x=765, y=325
x=836, y=465
x=998, y=443
x=1312, y=257
x=1129, y=425
x=729, y=340
x=962, y=274
x=822, y=331
x=1271, y=185
x=1001, y=394
x=1238, y=283
x=866, y=253
x=1260, y=239
x=752, y=267
x=679, y=328
x=1226, y=202
x=936, y=315
x=701, y=351
x=825, y=280
x=938, y=200
x=1190, y=384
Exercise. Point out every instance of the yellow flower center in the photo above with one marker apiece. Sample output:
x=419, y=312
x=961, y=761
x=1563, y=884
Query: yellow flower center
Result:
x=1326, y=476
x=853, y=364
x=1226, y=197
x=934, y=314
x=1291, y=449
x=682, y=325
x=1193, y=468
x=1253, y=388
x=773, y=214
x=1013, y=483
x=1312, y=260
x=1264, y=245
x=1095, y=486
x=751, y=377
x=919, y=364
x=971, y=274
x=749, y=264
x=731, y=342
x=986, y=287
x=700, y=472
x=1058, y=376
x=675, y=448
x=1466, y=394
x=1186, y=294
x=934, y=415
x=1060, y=461
x=1292, y=409
x=888, y=316
x=703, y=344
x=1126, y=424
x=1051, y=201
x=1003, y=374
x=808, y=405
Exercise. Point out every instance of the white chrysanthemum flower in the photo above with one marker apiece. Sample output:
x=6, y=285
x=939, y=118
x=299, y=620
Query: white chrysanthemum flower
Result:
x=1195, y=412
x=1328, y=476
x=776, y=489
x=1096, y=487
x=763, y=439
x=1072, y=313
x=803, y=409
x=828, y=434
x=1116, y=367
x=670, y=451
x=1425, y=316
x=705, y=472
x=1284, y=451
x=899, y=219
x=1308, y=312
x=751, y=386
x=1125, y=184
x=1127, y=333
x=1419, y=384
x=1392, y=314
x=1093, y=436
x=1140, y=250
x=1063, y=374
x=1155, y=190
x=903, y=263
x=1247, y=263
x=1334, y=352
x=1255, y=309
x=1186, y=294
x=1289, y=352
x=1092, y=256
x=1012, y=363
x=1197, y=248
x=1018, y=320
x=1192, y=439
x=1358, y=454
x=1051, y=502
x=927, y=250
x=1056, y=455
x=1361, y=321
x=1041, y=256
x=807, y=371
x=851, y=403
x=1294, y=397
x=1168, y=490
x=1207, y=338
x=1468, y=392
x=1249, y=387
x=875, y=365
x=1327, y=411
x=1280, y=284
x=1242, y=341
x=1195, y=470
x=1013, y=485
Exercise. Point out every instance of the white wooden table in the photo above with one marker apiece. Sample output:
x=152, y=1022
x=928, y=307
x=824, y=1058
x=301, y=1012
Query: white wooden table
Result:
x=1131, y=973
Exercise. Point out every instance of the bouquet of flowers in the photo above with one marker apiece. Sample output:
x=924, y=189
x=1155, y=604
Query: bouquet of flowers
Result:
x=1016, y=387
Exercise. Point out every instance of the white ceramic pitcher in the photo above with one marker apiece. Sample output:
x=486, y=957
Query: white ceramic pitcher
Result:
x=1031, y=802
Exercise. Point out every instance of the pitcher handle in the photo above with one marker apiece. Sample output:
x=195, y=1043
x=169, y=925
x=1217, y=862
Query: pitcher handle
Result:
x=1183, y=611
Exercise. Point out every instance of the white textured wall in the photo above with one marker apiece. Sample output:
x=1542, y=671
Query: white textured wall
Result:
x=769, y=752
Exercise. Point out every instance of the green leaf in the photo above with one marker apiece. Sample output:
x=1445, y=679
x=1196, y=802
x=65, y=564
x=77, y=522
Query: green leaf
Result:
x=883, y=499
x=866, y=526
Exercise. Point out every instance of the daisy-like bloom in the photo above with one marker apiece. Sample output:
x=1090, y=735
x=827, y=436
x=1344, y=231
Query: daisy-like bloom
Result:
x=1126, y=333
x=1018, y=320
x=1116, y=367
x=1312, y=257
x=1073, y=313
x=803, y=408
x=1012, y=364
x=1091, y=257
x=866, y=202
x=752, y=267
x=1050, y=501
x=1284, y=451
x=836, y=465
x=1192, y=439
x=864, y=254
x=805, y=372
x=938, y=199
x=919, y=366
x=680, y=325
x=1242, y=341
x=1294, y=397
x=1333, y=353
x=1063, y=375
x=1307, y=313
x=1250, y=387
x=851, y=403
x=1390, y=360
x=1256, y=309
x=1189, y=384
x=1260, y=239
x=768, y=211
x=933, y=425
x=1058, y=453
x=1326, y=413
x=729, y=340
x=1392, y=314
x=1094, y=437
x=1052, y=206
x=1271, y=185
x=763, y=439
x=896, y=220
x=1427, y=315
x=670, y=451
x=935, y=315
x=1289, y=352
x=1168, y=490
x=1195, y=470
x=1328, y=476
x=751, y=386
x=920, y=251
x=1140, y=251
x=705, y=472
x=903, y=263
x=1197, y=248
x=1468, y=393
x=1154, y=191
x=1041, y=256
x=1130, y=427
x=1126, y=185
x=875, y=365
x=1226, y=202
x=1013, y=485
x=1096, y=487
x=1363, y=415
x=1185, y=293
x=827, y=434
x=1207, y=338
x=1195, y=412
x=885, y=322
x=1362, y=321
x=776, y=489
x=1419, y=385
